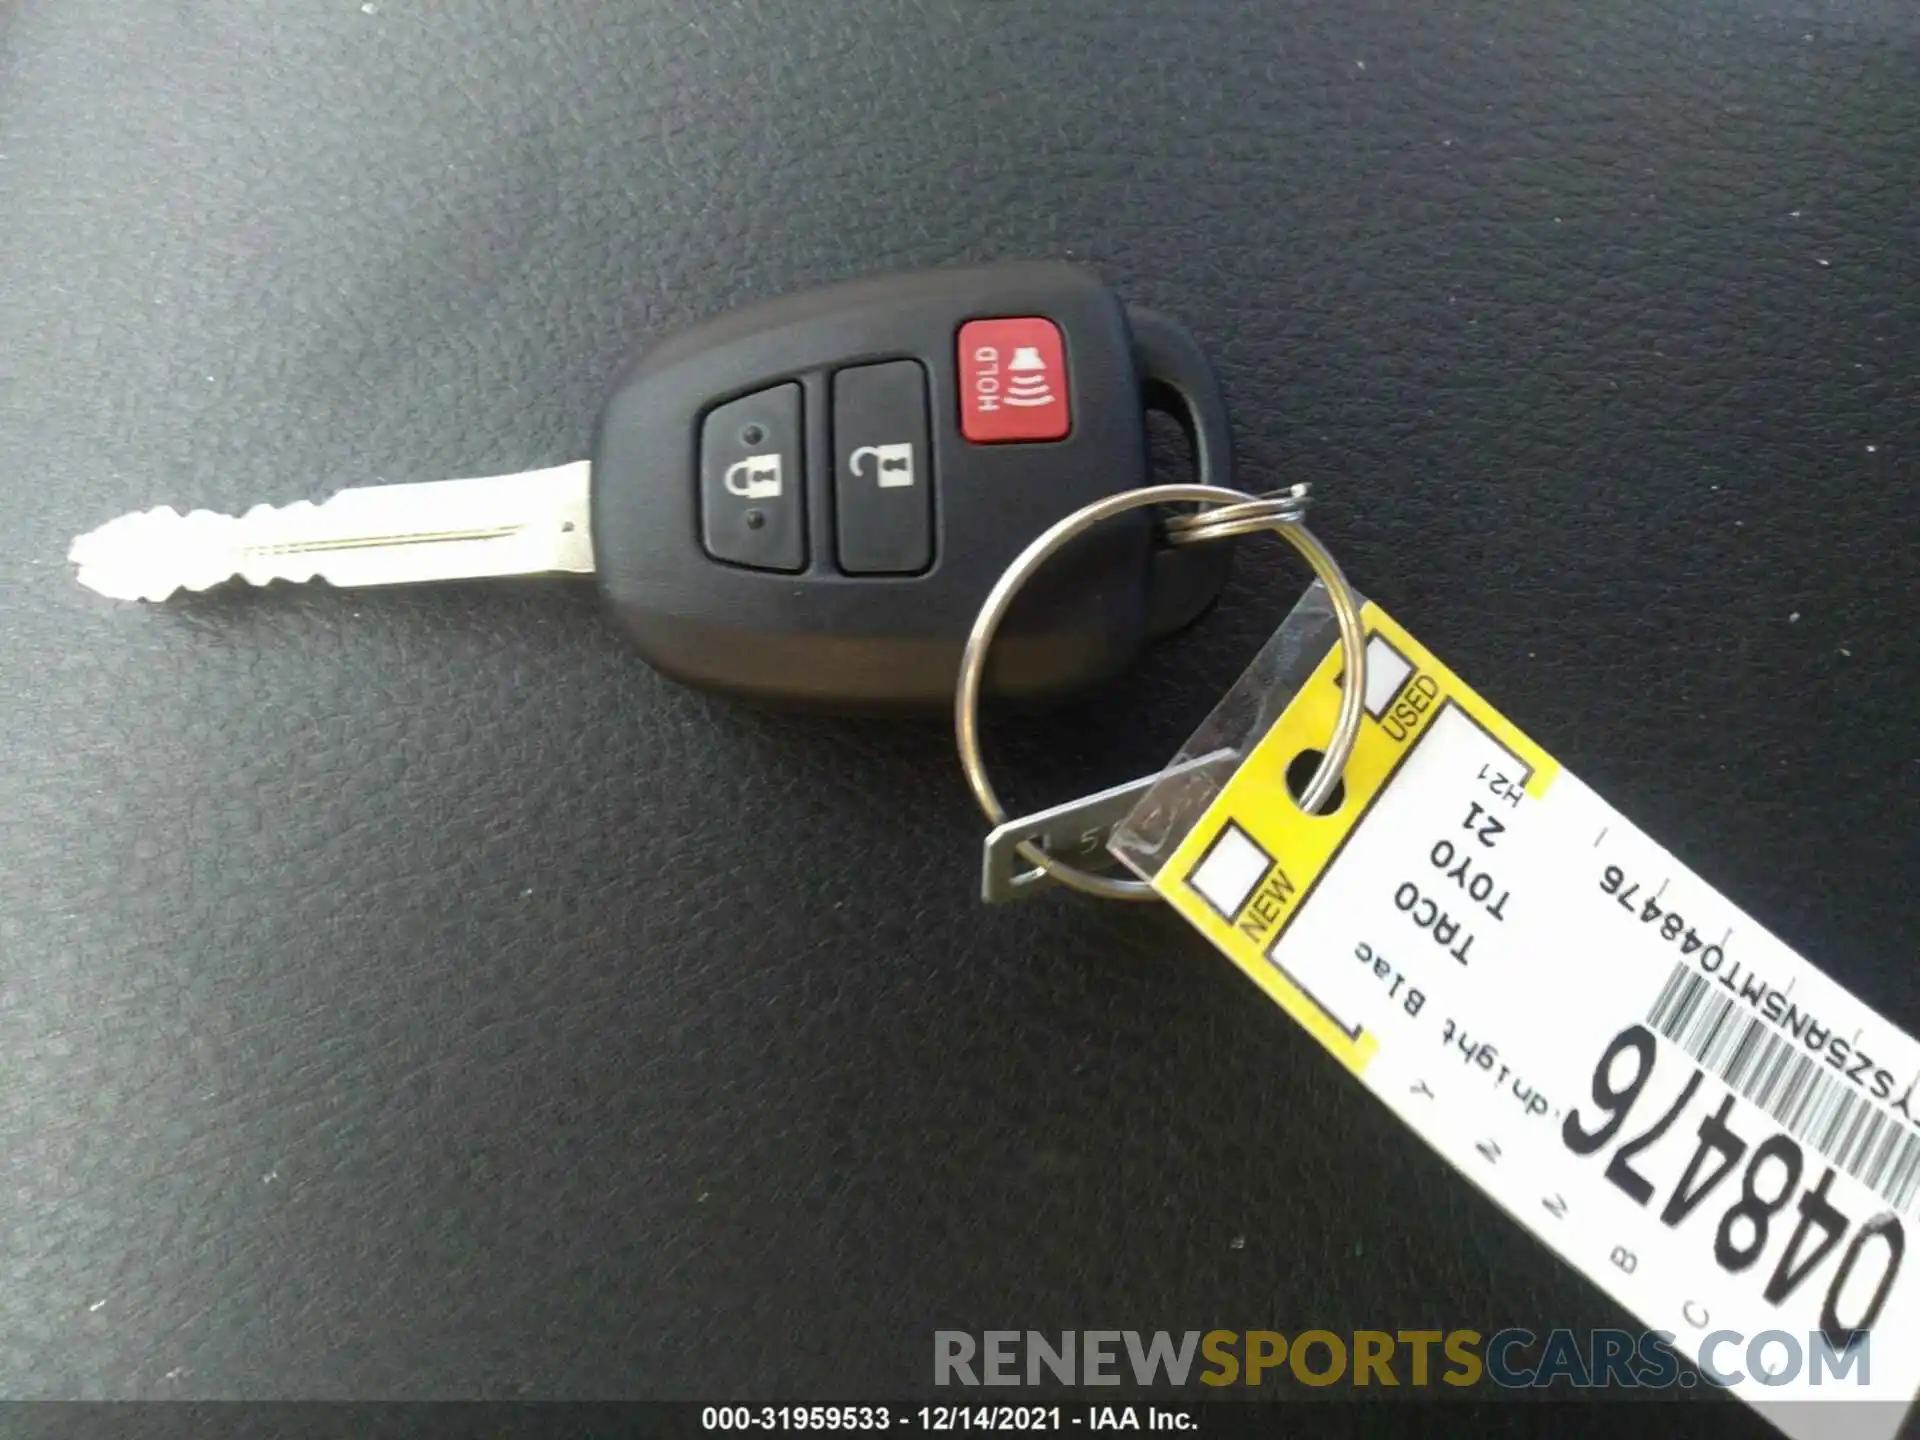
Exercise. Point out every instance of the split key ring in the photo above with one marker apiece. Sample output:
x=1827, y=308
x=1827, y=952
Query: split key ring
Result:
x=1230, y=513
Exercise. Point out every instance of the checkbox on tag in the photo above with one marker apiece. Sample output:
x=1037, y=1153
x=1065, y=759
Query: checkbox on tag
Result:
x=1387, y=672
x=1230, y=871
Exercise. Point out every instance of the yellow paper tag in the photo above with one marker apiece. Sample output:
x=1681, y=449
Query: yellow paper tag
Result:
x=1667, y=1095
x=1407, y=690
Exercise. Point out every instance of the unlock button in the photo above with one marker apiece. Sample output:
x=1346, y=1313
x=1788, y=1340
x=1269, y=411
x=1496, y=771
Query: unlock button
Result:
x=882, y=469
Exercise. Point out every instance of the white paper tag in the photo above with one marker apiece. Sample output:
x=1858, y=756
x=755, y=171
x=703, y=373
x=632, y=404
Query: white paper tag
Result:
x=1683, y=1108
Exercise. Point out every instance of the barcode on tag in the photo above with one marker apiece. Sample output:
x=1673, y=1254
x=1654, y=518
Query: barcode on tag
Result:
x=1811, y=1100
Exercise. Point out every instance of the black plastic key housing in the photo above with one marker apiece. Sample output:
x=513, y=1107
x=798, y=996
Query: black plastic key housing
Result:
x=786, y=506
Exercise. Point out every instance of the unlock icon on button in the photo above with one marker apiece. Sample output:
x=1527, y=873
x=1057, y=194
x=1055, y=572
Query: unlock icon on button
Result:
x=892, y=465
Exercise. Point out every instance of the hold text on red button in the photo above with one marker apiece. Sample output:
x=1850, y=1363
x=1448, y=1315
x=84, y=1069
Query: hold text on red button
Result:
x=1013, y=381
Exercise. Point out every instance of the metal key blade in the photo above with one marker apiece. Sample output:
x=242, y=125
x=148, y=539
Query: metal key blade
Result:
x=532, y=523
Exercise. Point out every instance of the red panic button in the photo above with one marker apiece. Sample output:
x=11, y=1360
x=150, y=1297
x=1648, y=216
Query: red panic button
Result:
x=1013, y=381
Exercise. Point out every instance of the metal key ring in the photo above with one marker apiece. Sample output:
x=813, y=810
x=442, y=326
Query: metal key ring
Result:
x=1235, y=513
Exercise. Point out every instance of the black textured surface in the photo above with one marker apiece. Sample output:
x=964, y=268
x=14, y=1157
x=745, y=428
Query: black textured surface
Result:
x=407, y=994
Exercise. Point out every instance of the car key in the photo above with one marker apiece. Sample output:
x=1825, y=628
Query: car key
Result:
x=805, y=499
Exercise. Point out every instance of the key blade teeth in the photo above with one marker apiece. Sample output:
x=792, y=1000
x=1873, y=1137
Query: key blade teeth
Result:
x=119, y=559
x=151, y=554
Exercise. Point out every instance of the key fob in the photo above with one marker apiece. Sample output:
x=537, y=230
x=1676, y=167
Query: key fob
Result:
x=807, y=500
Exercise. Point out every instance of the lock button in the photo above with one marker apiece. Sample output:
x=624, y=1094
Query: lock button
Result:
x=752, y=490
x=882, y=469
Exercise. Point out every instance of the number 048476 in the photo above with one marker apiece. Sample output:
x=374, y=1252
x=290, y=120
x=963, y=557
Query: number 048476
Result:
x=1769, y=1190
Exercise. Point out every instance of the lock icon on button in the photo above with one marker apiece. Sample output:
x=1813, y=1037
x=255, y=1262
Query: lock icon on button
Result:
x=755, y=478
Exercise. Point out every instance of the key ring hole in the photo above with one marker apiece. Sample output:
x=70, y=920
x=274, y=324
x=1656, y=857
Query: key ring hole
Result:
x=1301, y=769
x=1173, y=456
